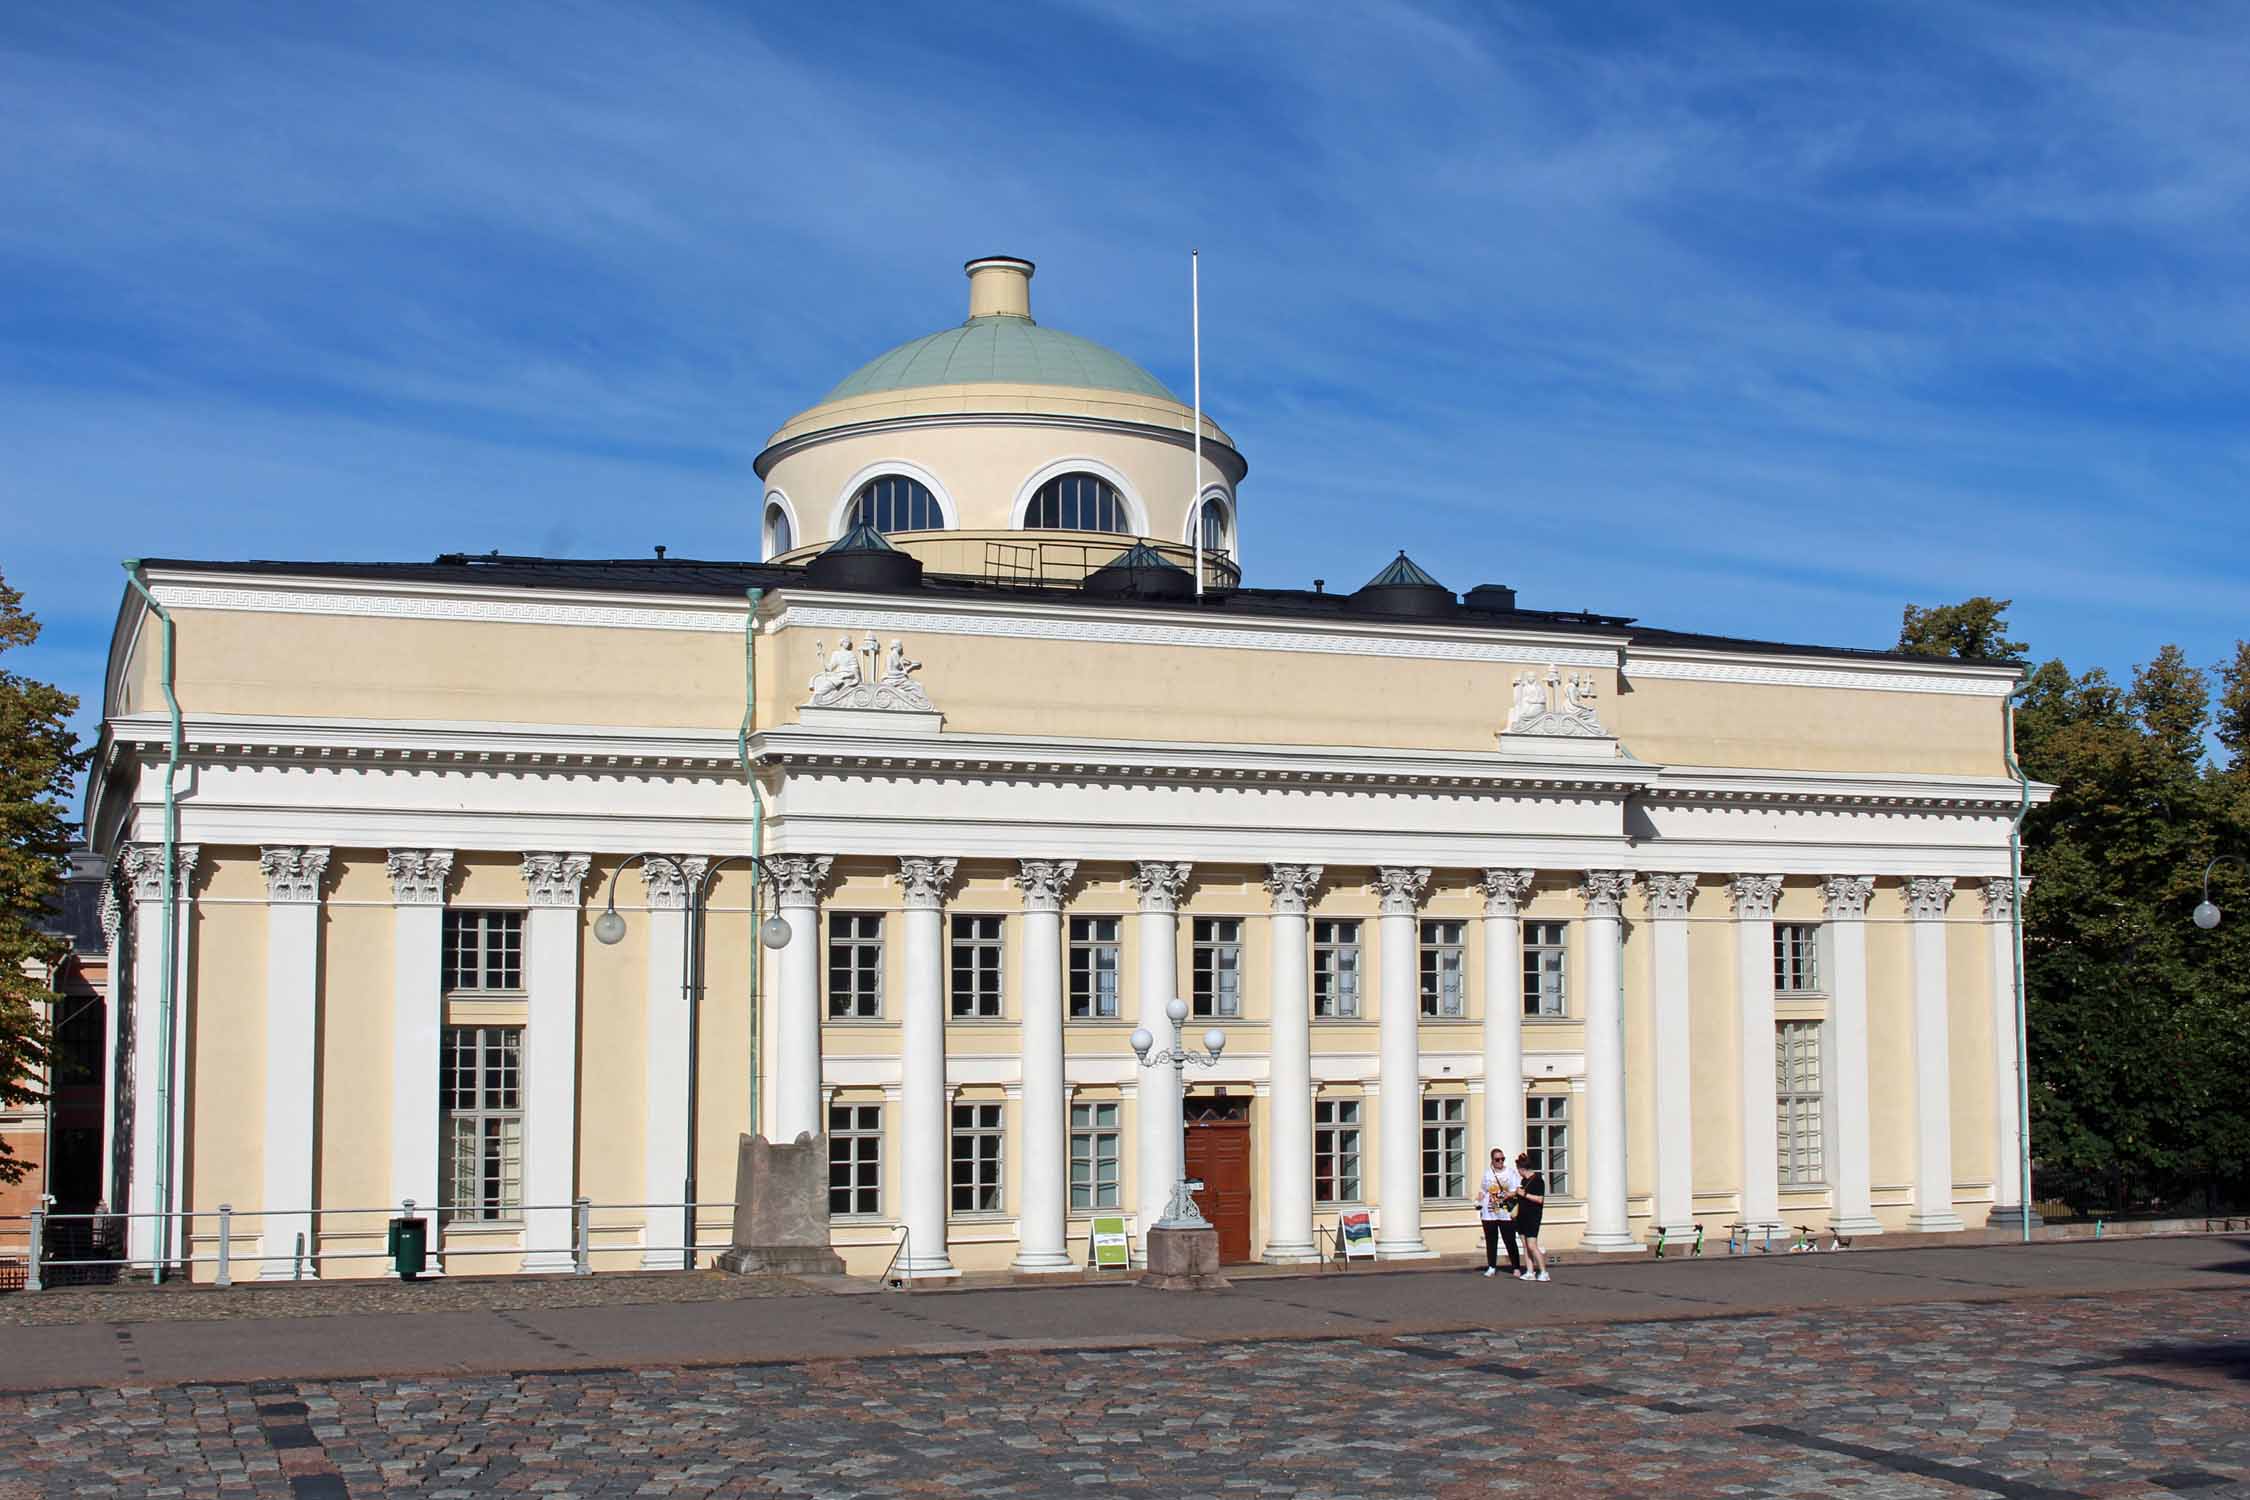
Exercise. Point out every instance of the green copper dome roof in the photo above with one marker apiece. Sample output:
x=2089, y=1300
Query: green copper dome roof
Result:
x=1001, y=350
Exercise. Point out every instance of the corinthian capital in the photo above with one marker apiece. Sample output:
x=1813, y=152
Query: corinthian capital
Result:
x=798, y=879
x=2000, y=897
x=418, y=876
x=1754, y=896
x=667, y=880
x=293, y=875
x=555, y=879
x=1292, y=887
x=1847, y=895
x=144, y=867
x=1603, y=891
x=1160, y=884
x=1401, y=887
x=113, y=914
x=1505, y=891
x=1669, y=894
x=1044, y=882
x=925, y=879
x=1928, y=895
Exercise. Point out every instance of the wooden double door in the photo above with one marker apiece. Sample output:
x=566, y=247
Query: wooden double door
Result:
x=1217, y=1153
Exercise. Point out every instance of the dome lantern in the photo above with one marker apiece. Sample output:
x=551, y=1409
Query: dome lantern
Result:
x=1000, y=287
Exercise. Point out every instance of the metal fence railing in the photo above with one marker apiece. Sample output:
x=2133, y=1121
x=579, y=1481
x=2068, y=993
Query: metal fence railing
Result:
x=54, y=1249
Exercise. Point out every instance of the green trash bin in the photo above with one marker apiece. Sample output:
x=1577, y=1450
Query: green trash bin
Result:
x=409, y=1247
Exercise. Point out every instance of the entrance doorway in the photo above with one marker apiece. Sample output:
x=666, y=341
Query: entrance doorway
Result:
x=1217, y=1153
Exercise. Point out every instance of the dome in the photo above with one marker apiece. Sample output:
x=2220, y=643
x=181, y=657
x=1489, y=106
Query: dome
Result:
x=1000, y=344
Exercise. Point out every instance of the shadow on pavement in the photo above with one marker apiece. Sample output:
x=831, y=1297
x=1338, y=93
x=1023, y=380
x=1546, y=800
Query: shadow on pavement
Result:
x=2228, y=1357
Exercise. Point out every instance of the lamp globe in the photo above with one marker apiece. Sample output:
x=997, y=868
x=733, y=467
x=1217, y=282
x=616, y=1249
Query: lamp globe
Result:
x=1214, y=1041
x=1142, y=1041
x=609, y=927
x=2206, y=916
x=1176, y=1008
x=774, y=932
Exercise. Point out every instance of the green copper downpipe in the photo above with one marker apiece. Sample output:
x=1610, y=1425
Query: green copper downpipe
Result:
x=757, y=850
x=167, y=985
x=2015, y=918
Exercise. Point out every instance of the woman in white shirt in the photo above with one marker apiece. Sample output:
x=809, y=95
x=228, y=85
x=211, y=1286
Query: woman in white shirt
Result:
x=1496, y=1207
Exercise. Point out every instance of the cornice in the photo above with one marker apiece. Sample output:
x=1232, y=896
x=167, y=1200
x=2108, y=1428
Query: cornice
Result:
x=1688, y=664
x=1220, y=450
x=1838, y=790
x=223, y=739
x=423, y=599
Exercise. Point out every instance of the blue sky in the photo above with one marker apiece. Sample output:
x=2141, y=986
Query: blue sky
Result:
x=1757, y=320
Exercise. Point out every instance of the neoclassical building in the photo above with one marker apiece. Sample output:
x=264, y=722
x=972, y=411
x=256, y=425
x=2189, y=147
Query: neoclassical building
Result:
x=907, y=826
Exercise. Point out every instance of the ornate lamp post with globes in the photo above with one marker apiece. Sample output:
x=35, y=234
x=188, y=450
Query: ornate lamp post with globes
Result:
x=1183, y=1248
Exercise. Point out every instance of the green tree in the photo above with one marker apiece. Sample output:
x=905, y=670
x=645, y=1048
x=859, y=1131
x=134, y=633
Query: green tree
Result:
x=1975, y=628
x=38, y=758
x=2233, y=718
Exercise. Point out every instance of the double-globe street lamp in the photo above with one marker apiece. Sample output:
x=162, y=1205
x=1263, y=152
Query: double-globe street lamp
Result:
x=2206, y=910
x=1181, y=1213
x=609, y=929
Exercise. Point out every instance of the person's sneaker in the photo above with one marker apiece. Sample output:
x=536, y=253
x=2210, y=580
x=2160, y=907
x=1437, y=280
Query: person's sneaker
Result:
x=1489, y=1270
x=1523, y=1275
x=1542, y=1276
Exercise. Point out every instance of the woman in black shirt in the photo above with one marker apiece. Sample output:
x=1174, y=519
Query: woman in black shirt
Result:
x=1531, y=1207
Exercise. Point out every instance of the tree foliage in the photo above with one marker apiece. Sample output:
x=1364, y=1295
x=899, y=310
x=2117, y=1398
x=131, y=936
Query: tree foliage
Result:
x=2137, y=1019
x=37, y=761
x=1975, y=628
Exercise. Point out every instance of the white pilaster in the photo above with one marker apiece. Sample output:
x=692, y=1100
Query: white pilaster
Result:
x=1398, y=1137
x=418, y=878
x=1157, y=1132
x=1669, y=897
x=1849, y=1088
x=1926, y=898
x=923, y=1123
x=1043, y=1120
x=114, y=1087
x=292, y=1066
x=1757, y=1101
x=1289, y=1154
x=1505, y=891
x=550, y=1057
x=1603, y=892
x=798, y=881
x=669, y=1091
x=2010, y=1202
x=153, y=1182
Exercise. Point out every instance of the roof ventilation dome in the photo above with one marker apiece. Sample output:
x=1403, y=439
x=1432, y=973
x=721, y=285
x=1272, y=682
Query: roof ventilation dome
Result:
x=1140, y=572
x=1402, y=588
x=861, y=559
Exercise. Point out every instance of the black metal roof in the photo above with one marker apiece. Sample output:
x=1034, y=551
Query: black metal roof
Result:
x=715, y=579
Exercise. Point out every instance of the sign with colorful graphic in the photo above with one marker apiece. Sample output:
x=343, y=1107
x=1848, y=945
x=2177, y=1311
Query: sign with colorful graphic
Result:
x=1111, y=1250
x=1357, y=1230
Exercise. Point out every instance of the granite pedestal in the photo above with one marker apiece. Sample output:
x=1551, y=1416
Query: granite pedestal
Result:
x=1184, y=1259
x=781, y=1209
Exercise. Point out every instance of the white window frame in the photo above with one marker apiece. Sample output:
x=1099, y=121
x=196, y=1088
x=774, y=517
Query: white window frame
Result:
x=976, y=956
x=983, y=1125
x=865, y=998
x=1091, y=937
x=1338, y=964
x=856, y=1145
x=504, y=923
x=1215, y=958
x=1797, y=959
x=1442, y=1000
x=498, y=1192
x=1097, y=1142
x=1340, y=1139
x=1546, y=991
x=1801, y=1113
x=1546, y=1135
x=1445, y=1147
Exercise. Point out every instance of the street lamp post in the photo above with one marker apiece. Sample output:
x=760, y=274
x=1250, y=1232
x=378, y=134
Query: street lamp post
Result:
x=1183, y=1248
x=609, y=929
x=2206, y=910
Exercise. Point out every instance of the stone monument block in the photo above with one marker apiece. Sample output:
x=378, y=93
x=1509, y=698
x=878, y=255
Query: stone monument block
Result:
x=1184, y=1259
x=781, y=1209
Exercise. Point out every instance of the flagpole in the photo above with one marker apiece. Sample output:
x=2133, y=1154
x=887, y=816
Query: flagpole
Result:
x=1195, y=480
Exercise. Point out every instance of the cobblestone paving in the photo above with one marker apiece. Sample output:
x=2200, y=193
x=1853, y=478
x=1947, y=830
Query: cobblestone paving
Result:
x=2144, y=1394
x=312, y=1299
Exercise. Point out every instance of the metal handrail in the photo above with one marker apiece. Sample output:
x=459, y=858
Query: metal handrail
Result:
x=905, y=1239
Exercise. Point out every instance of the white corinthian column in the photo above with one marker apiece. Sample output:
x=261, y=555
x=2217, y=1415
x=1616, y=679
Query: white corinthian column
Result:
x=1926, y=898
x=1505, y=891
x=1399, y=1133
x=798, y=881
x=1042, y=1228
x=550, y=1057
x=1847, y=1002
x=670, y=1091
x=292, y=1068
x=418, y=878
x=1669, y=897
x=158, y=1130
x=923, y=1098
x=2010, y=1201
x=1156, y=1166
x=1756, y=1099
x=1289, y=1186
x=1604, y=892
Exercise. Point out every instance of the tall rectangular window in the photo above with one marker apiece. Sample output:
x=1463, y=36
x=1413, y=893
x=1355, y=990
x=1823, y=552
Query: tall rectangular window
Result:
x=855, y=965
x=1336, y=1126
x=481, y=1082
x=1796, y=1066
x=977, y=1136
x=1445, y=1147
x=1094, y=957
x=1335, y=970
x=976, y=968
x=483, y=950
x=855, y=1159
x=1546, y=954
x=1546, y=1135
x=1218, y=966
x=1796, y=958
x=1095, y=1149
x=1442, y=983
